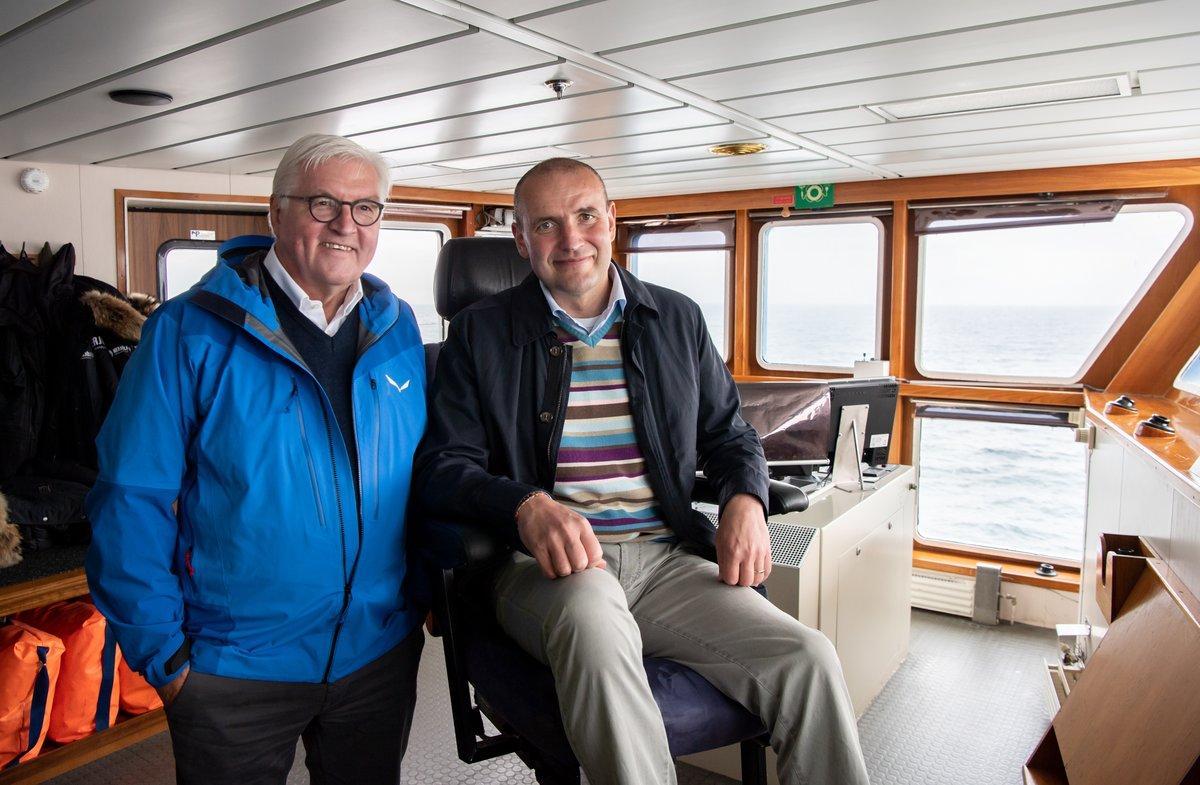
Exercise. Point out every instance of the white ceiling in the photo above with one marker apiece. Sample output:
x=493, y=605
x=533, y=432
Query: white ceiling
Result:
x=438, y=85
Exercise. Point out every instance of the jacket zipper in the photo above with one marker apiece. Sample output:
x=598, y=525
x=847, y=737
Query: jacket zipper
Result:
x=559, y=414
x=651, y=451
x=347, y=577
x=312, y=467
x=337, y=488
x=378, y=445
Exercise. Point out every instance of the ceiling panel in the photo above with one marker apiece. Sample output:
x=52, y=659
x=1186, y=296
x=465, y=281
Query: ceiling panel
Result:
x=1098, y=28
x=1107, y=139
x=620, y=166
x=667, y=140
x=616, y=23
x=14, y=13
x=834, y=118
x=629, y=100
x=1076, y=128
x=1162, y=80
x=1032, y=70
x=483, y=145
x=845, y=26
x=93, y=42
x=1051, y=116
x=331, y=36
x=1027, y=159
x=798, y=172
x=834, y=174
x=414, y=172
x=508, y=9
x=414, y=69
x=472, y=96
x=679, y=153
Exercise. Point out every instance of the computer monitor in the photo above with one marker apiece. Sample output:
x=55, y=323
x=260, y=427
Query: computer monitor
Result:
x=881, y=396
x=792, y=421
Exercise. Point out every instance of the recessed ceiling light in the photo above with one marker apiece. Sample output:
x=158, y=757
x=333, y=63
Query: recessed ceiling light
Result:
x=140, y=97
x=738, y=148
x=1007, y=98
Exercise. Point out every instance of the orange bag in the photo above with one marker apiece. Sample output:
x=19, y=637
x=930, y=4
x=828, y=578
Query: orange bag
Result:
x=29, y=664
x=87, y=698
x=137, y=696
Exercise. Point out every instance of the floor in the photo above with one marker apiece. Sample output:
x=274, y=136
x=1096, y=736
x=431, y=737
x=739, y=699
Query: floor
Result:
x=966, y=707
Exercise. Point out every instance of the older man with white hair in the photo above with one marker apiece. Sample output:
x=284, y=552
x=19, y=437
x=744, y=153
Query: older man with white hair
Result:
x=249, y=519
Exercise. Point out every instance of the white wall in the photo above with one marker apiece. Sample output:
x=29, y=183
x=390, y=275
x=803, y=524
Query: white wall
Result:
x=78, y=206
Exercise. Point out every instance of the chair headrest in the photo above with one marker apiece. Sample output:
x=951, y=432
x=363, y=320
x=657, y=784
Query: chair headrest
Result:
x=472, y=268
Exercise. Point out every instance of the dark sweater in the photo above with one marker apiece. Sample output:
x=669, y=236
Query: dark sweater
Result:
x=331, y=360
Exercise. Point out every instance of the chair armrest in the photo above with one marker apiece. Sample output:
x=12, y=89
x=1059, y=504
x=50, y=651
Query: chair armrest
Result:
x=784, y=497
x=781, y=497
x=451, y=544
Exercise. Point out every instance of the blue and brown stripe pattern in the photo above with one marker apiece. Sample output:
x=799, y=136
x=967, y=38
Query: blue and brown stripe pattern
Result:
x=601, y=471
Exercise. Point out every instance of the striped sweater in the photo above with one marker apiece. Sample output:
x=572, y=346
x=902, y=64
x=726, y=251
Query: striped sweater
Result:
x=601, y=471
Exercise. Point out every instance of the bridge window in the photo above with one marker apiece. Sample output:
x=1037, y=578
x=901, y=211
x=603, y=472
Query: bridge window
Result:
x=1001, y=479
x=691, y=257
x=1189, y=378
x=181, y=263
x=820, y=295
x=405, y=259
x=1005, y=297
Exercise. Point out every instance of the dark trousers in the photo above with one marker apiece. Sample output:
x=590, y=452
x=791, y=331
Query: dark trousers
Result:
x=244, y=732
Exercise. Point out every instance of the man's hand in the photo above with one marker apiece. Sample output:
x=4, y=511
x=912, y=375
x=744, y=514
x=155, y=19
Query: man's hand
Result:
x=170, y=691
x=743, y=545
x=562, y=541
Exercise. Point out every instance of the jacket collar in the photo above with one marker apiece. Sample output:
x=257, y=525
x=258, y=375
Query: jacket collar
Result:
x=239, y=293
x=531, y=318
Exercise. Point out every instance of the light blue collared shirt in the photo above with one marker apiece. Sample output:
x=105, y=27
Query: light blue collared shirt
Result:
x=590, y=326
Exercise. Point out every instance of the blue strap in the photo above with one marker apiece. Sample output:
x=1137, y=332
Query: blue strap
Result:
x=108, y=667
x=37, y=710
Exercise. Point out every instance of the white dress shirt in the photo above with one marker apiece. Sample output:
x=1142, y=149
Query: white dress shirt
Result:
x=313, y=310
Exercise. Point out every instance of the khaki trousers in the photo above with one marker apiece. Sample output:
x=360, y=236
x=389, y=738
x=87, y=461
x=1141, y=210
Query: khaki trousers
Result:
x=658, y=599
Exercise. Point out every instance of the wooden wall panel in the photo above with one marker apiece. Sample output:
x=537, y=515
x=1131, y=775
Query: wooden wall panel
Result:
x=149, y=230
x=1164, y=291
x=1167, y=345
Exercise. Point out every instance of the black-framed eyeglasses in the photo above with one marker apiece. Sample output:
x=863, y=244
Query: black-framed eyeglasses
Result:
x=324, y=209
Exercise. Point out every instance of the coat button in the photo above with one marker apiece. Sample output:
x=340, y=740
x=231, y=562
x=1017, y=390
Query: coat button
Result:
x=556, y=351
x=545, y=416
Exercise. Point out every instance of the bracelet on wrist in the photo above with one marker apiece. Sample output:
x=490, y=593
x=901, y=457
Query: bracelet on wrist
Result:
x=524, y=501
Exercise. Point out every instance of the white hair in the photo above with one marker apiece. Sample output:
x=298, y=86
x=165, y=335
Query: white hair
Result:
x=313, y=150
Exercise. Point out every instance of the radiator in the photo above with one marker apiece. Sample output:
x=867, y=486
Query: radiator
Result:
x=939, y=591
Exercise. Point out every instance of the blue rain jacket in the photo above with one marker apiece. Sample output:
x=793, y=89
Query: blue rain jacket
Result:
x=226, y=512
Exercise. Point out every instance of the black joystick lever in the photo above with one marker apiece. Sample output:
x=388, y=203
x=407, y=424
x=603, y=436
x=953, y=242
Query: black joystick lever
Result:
x=1157, y=425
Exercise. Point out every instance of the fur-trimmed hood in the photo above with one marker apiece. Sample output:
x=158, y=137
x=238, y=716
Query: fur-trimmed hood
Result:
x=10, y=537
x=115, y=315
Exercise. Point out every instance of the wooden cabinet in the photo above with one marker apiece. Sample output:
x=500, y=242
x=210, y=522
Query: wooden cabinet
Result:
x=1129, y=492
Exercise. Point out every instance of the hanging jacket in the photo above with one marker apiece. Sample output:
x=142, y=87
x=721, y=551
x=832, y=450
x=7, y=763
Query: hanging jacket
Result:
x=272, y=565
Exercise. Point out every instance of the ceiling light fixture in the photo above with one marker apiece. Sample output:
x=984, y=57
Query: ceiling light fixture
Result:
x=141, y=97
x=1009, y=98
x=738, y=148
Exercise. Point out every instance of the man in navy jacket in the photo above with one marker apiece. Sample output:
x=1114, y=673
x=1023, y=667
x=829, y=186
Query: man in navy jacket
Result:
x=571, y=412
x=249, y=519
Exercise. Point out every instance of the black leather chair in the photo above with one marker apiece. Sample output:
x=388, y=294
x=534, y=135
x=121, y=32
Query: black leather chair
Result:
x=512, y=689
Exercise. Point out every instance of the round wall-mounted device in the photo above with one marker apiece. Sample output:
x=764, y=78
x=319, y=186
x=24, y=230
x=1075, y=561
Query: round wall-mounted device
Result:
x=34, y=181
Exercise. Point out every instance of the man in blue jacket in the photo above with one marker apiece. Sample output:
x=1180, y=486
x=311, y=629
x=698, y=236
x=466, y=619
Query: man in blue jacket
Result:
x=249, y=519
